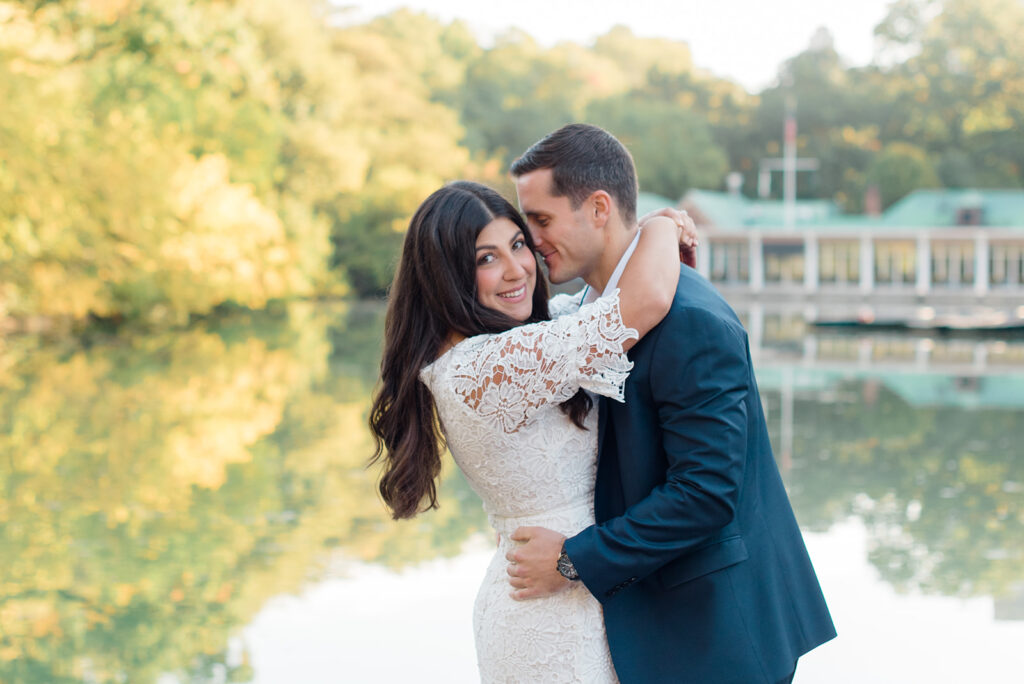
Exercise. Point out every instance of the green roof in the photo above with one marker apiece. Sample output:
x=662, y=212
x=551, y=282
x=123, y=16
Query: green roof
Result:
x=1002, y=391
x=931, y=208
x=647, y=202
x=919, y=209
x=1005, y=390
x=733, y=211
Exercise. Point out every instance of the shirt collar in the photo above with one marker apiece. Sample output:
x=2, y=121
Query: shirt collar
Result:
x=613, y=282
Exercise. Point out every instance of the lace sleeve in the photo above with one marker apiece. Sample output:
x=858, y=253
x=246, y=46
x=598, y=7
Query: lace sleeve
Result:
x=511, y=375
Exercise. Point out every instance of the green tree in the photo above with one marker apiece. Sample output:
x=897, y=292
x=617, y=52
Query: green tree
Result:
x=959, y=85
x=154, y=186
x=515, y=93
x=900, y=168
x=723, y=107
x=673, y=148
x=638, y=58
x=841, y=114
x=410, y=139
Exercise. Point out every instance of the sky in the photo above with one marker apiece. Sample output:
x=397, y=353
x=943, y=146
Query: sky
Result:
x=743, y=40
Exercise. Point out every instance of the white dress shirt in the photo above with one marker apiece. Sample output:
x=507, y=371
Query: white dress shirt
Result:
x=613, y=282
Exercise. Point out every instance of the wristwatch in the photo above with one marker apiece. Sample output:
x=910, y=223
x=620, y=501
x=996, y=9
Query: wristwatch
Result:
x=565, y=567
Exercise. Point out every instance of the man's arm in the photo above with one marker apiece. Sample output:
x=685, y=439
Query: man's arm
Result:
x=699, y=381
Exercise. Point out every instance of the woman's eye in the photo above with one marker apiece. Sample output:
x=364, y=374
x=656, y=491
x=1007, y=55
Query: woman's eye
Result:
x=519, y=244
x=485, y=259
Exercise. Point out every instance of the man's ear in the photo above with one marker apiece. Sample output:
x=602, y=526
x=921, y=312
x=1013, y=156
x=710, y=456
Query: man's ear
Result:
x=600, y=206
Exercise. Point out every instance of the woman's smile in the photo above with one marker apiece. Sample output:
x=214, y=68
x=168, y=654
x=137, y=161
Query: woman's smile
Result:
x=514, y=294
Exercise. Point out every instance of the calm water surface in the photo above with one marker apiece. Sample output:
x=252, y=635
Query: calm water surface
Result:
x=193, y=507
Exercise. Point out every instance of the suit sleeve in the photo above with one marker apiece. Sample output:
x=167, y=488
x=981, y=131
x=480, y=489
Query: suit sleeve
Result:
x=700, y=380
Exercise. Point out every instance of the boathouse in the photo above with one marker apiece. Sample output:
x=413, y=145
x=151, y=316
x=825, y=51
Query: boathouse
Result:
x=933, y=246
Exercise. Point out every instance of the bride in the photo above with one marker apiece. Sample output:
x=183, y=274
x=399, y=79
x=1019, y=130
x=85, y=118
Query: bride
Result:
x=476, y=358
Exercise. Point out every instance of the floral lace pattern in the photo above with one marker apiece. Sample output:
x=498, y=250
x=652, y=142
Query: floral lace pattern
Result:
x=497, y=397
x=508, y=377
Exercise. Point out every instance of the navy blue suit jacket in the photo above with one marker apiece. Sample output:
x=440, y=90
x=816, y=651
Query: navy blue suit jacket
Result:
x=696, y=555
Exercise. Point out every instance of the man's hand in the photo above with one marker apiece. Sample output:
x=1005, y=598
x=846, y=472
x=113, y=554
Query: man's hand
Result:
x=687, y=232
x=533, y=566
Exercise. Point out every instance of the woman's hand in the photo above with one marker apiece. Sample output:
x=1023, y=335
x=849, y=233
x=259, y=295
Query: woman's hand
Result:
x=687, y=232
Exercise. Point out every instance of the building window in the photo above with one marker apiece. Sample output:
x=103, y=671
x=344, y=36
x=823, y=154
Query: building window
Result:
x=952, y=263
x=729, y=262
x=894, y=349
x=1006, y=264
x=784, y=333
x=839, y=262
x=970, y=216
x=783, y=263
x=895, y=262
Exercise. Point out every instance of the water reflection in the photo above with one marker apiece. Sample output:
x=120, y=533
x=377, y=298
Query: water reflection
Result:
x=938, y=487
x=917, y=436
x=159, y=490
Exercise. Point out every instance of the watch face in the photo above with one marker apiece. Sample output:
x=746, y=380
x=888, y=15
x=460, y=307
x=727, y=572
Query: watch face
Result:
x=565, y=567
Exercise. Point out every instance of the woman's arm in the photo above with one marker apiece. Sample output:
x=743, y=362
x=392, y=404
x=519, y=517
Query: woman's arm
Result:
x=649, y=281
x=688, y=240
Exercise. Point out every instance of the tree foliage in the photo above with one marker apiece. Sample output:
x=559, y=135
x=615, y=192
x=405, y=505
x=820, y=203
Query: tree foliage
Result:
x=900, y=168
x=673, y=148
x=161, y=158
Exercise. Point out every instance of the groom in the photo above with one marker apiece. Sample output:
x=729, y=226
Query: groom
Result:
x=696, y=555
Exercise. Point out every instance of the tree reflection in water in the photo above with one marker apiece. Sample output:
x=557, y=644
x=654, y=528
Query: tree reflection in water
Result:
x=158, y=489
x=940, y=488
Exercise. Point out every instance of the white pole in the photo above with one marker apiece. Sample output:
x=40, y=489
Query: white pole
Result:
x=924, y=263
x=867, y=263
x=789, y=165
x=756, y=256
x=981, y=259
x=811, y=259
x=704, y=255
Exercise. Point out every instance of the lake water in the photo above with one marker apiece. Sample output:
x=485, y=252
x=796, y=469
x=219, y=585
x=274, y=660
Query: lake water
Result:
x=193, y=507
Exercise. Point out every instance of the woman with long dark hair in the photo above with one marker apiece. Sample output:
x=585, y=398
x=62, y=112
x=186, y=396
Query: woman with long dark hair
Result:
x=474, y=359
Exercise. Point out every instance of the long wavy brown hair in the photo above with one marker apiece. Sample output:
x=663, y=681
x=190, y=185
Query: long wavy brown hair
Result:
x=432, y=295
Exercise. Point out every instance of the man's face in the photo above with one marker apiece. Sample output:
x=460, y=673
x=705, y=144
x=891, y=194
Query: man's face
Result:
x=567, y=239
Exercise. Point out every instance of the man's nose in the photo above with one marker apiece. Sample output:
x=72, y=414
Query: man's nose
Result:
x=535, y=235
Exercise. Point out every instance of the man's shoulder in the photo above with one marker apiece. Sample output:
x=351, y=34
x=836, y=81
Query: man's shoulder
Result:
x=698, y=298
x=700, y=323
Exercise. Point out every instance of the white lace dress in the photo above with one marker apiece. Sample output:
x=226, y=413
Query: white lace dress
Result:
x=497, y=397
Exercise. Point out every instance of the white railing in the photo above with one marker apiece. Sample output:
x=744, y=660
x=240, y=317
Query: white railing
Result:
x=889, y=260
x=786, y=337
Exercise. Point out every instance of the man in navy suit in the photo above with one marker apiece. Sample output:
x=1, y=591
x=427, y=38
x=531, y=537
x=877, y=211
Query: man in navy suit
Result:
x=696, y=555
